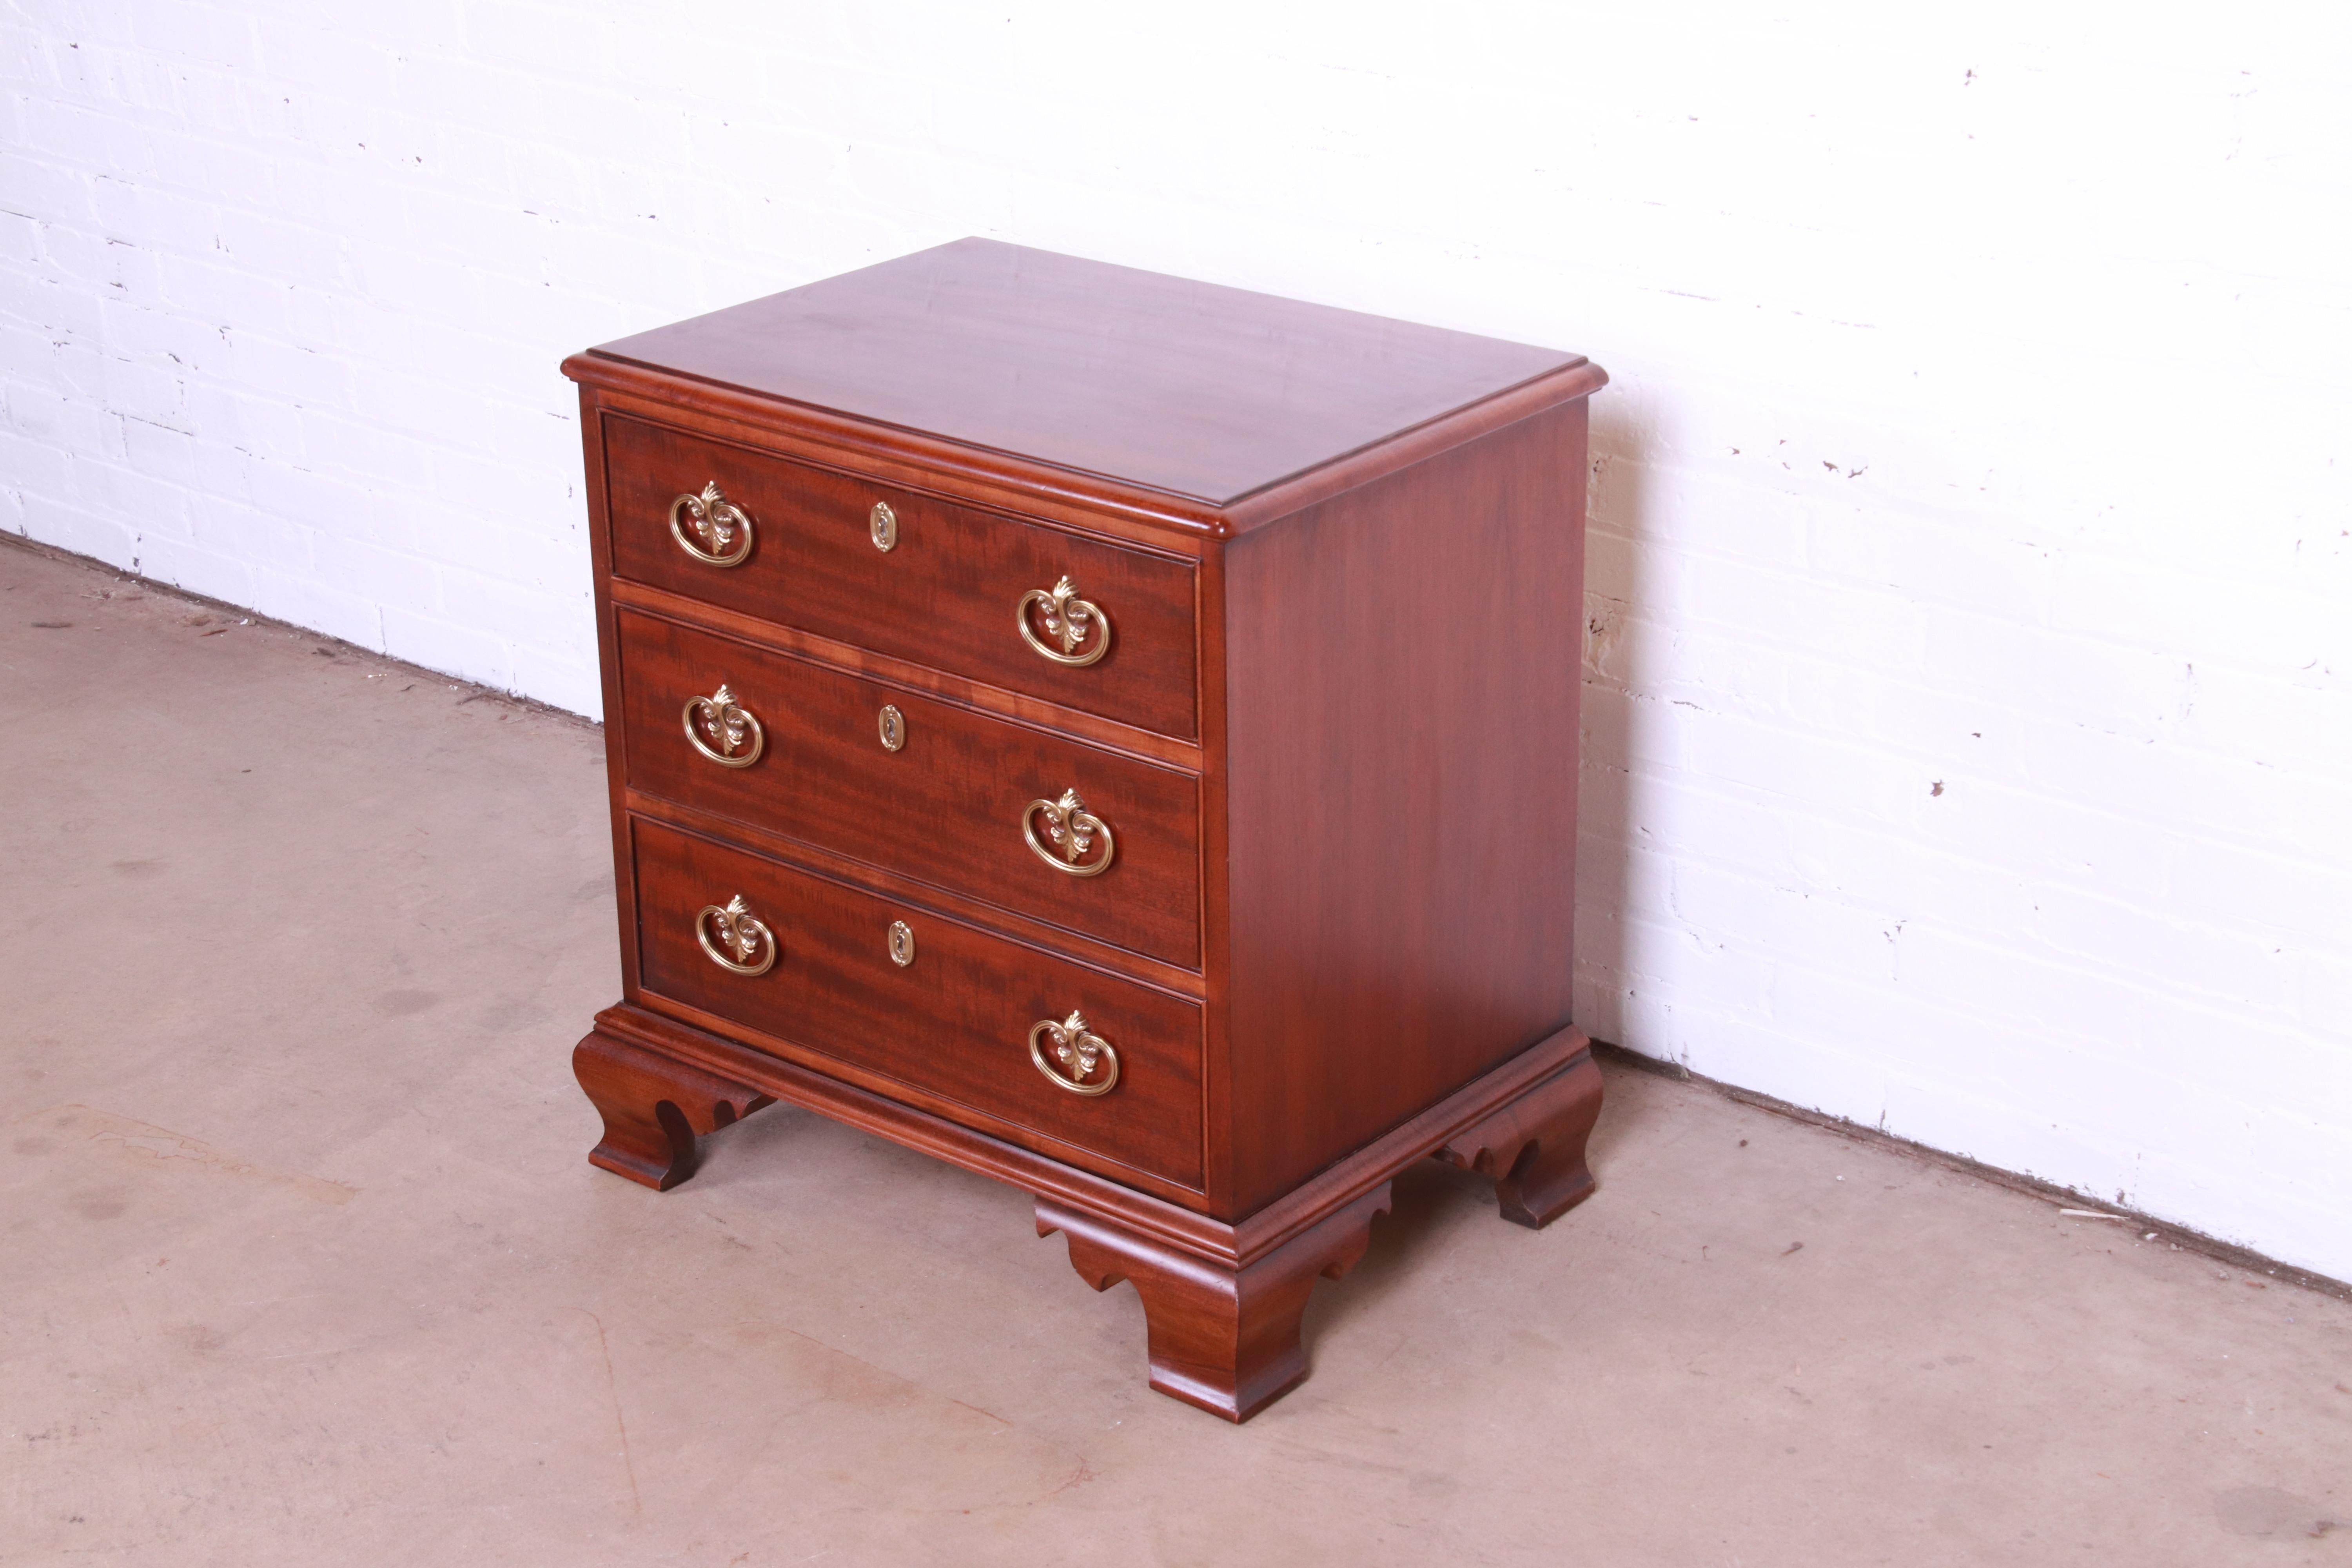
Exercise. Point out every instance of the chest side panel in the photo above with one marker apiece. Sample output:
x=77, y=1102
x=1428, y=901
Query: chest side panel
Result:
x=1401, y=692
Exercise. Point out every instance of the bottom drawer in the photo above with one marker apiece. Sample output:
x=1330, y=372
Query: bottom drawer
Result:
x=968, y=1018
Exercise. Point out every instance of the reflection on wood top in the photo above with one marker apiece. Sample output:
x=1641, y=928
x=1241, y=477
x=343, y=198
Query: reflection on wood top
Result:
x=1188, y=388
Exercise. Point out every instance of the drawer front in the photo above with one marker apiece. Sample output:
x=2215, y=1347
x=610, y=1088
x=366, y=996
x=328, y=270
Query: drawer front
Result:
x=946, y=806
x=950, y=592
x=956, y=1021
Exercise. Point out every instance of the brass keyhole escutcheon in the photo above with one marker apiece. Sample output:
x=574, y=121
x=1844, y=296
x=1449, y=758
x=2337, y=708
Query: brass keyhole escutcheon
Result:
x=721, y=530
x=723, y=729
x=749, y=946
x=1070, y=1053
x=1071, y=622
x=882, y=524
x=893, y=726
x=902, y=943
x=1070, y=831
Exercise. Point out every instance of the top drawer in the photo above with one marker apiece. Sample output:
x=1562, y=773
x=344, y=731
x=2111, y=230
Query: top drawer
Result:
x=952, y=591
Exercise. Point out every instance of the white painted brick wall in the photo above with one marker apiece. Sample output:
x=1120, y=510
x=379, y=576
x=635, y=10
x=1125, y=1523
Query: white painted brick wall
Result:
x=1969, y=740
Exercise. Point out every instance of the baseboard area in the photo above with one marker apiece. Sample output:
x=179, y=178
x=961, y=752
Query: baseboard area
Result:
x=2177, y=1235
x=1609, y=1055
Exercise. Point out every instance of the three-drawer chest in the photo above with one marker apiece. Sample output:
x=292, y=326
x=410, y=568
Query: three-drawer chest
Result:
x=1115, y=733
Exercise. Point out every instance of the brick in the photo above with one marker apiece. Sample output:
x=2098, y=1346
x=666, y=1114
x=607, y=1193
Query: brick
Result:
x=70, y=425
x=27, y=356
x=258, y=426
x=149, y=503
x=155, y=218
x=1965, y=720
x=20, y=240
x=339, y=557
x=115, y=144
x=199, y=569
x=260, y=364
x=161, y=339
x=560, y=676
x=538, y=40
x=62, y=310
x=38, y=188
x=338, y=60
x=29, y=465
x=54, y=520
x=279, y=247
x=307, y=599
x=211, y=289
x=314, y=500
x=467, y=652
x=199, y=33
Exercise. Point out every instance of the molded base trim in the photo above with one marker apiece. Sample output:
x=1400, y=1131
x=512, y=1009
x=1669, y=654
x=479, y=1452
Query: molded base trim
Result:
x=654, y=1107
x=1534, y=1147
x=1223, y=1299
x=1225, y=1340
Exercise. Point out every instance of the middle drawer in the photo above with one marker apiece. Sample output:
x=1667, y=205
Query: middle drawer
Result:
x=1050, y=827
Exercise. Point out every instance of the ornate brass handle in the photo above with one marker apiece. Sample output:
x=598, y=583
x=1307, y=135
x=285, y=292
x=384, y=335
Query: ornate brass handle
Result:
x=723, y=729
x=722, y=530
x=1071, y=829
x=741, y=933
x=1078, y=1050
x=1067, y=619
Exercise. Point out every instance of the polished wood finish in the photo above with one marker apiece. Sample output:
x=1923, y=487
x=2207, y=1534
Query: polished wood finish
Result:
x=945, y=596
x=655, y=1106
x=972, y=910
x=1175, y=385
x=1169, y=750
x=1419, y=733
x=1221, y=1302
x=718, y=1051
x=1534, y=1146
x=1223, y=1339
x=946, y=807
x=1334, y=735
x=953, y=1024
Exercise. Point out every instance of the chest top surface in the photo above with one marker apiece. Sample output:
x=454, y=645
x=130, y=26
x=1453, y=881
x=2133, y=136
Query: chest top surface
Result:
x=1190, y=388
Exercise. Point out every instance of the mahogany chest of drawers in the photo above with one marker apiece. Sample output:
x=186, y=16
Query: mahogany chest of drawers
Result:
x=1112, y=732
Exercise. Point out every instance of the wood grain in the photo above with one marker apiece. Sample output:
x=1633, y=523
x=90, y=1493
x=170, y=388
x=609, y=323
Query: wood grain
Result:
x=1221, y=1302
x=1177, y=385
x=655, y=1108
x=1534, y=1147
x=945, y=808
x=1400, y=774
x=946, y=596
x=1111, y=736
x=1224, y=1340
x=956, y=1022
x=1336, y=735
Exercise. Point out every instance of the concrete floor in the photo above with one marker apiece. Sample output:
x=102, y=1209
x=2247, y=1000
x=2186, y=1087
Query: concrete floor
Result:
x=304, y=1262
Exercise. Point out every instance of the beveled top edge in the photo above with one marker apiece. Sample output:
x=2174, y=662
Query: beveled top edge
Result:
x=1177, y=514
x=1158, y=385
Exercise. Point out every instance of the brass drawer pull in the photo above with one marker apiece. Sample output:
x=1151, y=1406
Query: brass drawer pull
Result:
x=1071, y=829
x=723, y=729
x=722, y=530
x=1066, y=618
x=1078, y=1050
x=743, y=934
